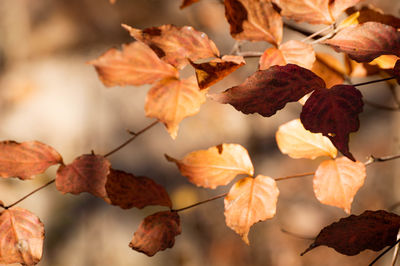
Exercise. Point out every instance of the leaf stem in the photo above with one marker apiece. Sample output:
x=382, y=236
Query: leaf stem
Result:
x=373, y=81
x=373, y=159
x=294, y=176
x=297, y=235
x=384, y=252
x=199, y=203
x=318, y=33
x=135, y=135
x=250, y=54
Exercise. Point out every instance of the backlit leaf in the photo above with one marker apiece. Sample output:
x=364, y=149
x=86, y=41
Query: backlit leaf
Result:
x=271, y=57
x=334, y=113
x=176, y=44
x=135, y=65
x=297, y=142
x=337, y=7
x=26, y=159
x=254, y=20
x=372, y=230
x=21, y=237
x=171, y=100
x=127, y=191
x=249, y=201
x=87, y=173
x=216, y=166
x=364, y=42
x=329, y=69
x=385, y=61
x=156, y=232
x=336, y=182
x=267, y=91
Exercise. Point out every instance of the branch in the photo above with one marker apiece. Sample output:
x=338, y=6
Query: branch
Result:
x=372, y=81
x=373, y=159
x=383, y=253
x=294, y=176
x=199, y=203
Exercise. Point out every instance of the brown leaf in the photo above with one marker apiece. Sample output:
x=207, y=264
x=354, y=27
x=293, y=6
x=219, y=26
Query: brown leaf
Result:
x=127, y=191
x=370, y=13
x=157, y=232
x=337, y=7
x=216, y=166
x=366, y=41
x=21, y=237
x=135, y=65
x=176, y=44
x=311, y=11
x=250, y=201
x=211, y=72
x=26, y=159
x=372, y=230
x=267, y=91
x=254, y=20
x=336, y=182
x=171, y=100
x=297, y=142
x=87, y=173
x=329, y=69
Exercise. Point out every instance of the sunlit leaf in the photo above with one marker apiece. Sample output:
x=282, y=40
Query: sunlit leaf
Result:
x=360, y=70
x=216, y=166
x=336, y=182
x=21, y=237
x=385, y=61
x=171, y=100
x=337, y=7
x=26, y=159
x=249, y=201
x=329, y=69
x=156, y=232
x=271, y=57
x=350, y=20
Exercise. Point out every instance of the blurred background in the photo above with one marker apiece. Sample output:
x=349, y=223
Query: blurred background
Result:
x=49, y=93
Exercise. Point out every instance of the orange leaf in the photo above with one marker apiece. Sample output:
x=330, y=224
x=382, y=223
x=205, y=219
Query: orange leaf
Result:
x=336, y=182
x=171, y=100
x=211, y=72
x=21, y=237
x=26, y=159
x=329, y=69
x=157, y=232
x=370, y=13
x=186, y=3
x=250, y=200
x=385, y=61
x=135, y=65
x=176, y=44
x=127, y=191
x=254, y=20
x=87, y=173
x=297, y=142
x=271, y=57
x=216, y=166
x=338, y=6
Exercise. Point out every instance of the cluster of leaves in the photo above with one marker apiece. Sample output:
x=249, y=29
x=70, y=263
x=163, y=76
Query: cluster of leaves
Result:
x=287, y=72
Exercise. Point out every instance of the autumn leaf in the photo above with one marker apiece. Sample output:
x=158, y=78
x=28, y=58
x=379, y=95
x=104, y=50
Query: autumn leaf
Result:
x=297, y=142
x=359, y=70
x=209, y=73
x=171, y=100
x=337, y=7
x=334, y=113
x=329, y=69
x=127, y=191
x=385, y=61
x=87, y=173
x=176, y=44
x=271, y=57
x=135, y=65
x=370, y=13
x=26, y=159
x=372, y=230
x=364, y=42
x=396, y=71
x=249, y=201
x=267, y=91
x=216, y=166
x=156, y=232
x=21, y=237
x=254, y=20
x=186, y=3
x=336, y=182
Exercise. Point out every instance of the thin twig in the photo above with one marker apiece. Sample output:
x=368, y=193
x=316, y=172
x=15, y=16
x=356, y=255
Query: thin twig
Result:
x=372, y=81
x=135, y=135
x=250, y=54
x=199, y=203
x=373, y=159
x=294, y=176
x=317, y=33
x=383, y=253
x=396, y=251
x=297, y=235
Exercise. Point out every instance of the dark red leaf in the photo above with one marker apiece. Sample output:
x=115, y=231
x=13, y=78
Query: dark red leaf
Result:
x=157, y=232
x=396, y=71
x=267, y=91
x=334, y=113
x=371, y=230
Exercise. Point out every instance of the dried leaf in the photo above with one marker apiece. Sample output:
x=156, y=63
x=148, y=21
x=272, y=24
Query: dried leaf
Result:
x=337, y=7
x=271, y=57
x=171, y=100
x=366, y=41
x=372, y=230
x=26, y=159
x=87, y=173
x=334, y=113
x=176, y=44
x=336, y=182
x=329, y=69
x=369, y=13
x=157, y=232
x=385, y=61
x=359, y=70
x=249, y=201
x=267, y=91
x=297, y=142
x=127, y=191
x=135, y=65
x=21, y=237
x=216, y=166
x=254, y=20
x=211, y=72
